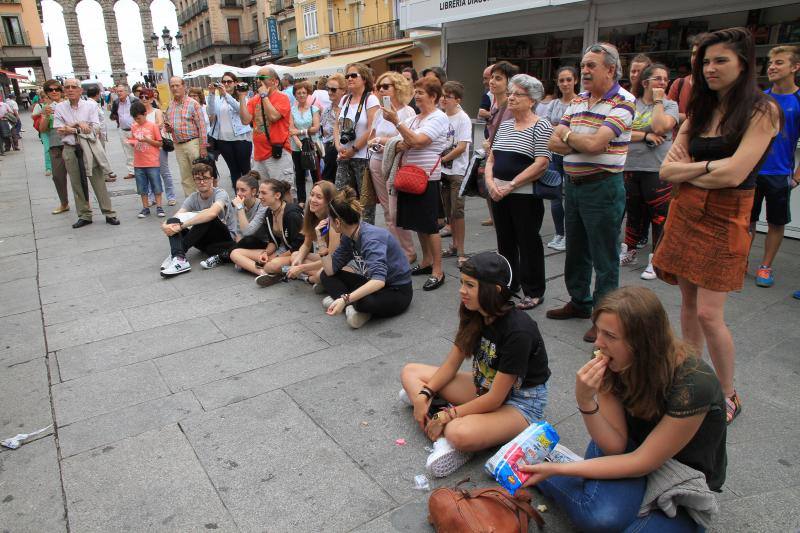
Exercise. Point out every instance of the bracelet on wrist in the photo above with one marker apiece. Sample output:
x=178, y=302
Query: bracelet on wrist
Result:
x=346, y=298
x=708, y=167
x=425, y=391
x=591, y=411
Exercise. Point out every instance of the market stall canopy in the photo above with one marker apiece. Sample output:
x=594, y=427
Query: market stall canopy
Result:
x=13, y=75
x=252, y=70
x=214, y=71
x=333, y=64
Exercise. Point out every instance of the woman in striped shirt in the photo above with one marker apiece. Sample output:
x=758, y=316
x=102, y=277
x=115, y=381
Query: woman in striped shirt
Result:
x=519, y=156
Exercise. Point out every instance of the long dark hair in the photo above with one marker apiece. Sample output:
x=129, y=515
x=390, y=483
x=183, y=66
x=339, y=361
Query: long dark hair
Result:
x=741, y=103
x=494, y=302
x=575, y=79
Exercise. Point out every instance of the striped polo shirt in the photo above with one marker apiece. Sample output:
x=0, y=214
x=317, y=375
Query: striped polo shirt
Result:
x=615, y=110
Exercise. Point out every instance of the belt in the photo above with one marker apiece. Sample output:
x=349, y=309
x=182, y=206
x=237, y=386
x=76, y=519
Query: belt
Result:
x=186, y=141
x=126, y=129
x=589, y=178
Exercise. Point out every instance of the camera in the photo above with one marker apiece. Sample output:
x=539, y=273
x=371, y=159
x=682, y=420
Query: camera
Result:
x=347, y=136
x=218, y=85
x=242, y=87
x=447, y=164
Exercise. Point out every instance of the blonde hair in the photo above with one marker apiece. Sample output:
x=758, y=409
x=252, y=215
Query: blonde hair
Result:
x=402, y=87
x=793, y=51
x=338, y=78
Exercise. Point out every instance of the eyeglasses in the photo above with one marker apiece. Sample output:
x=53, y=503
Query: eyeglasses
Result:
x=332, y=89
x=71, y=87
x=351, y=76
x=264, y=77
x=448, y=97
x=385, y=86
x=228, y=81
x=198, y=179
x=53, y=90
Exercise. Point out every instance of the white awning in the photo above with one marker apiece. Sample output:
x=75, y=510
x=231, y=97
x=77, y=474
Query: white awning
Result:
x=425, y=13
x=337, y=63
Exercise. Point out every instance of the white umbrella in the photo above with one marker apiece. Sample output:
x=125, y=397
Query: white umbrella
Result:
x=214, y=71
x=252, y=70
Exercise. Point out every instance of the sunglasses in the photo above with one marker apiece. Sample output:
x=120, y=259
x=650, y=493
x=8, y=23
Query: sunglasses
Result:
x=332, y=89
x=351, y=76
x=226, y=82
x=385, y=86
x=71, y=87
x=53, y=90
x=599, y=48
x=263, y=77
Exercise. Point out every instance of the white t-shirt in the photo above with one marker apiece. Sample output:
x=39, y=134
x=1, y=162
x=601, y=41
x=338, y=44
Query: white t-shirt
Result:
x=459, y=130
x=434, y=126
x=349, y=112
x=320, y=99
x=384, y=128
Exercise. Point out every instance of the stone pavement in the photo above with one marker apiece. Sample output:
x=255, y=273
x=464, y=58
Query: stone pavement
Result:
x=206, y=403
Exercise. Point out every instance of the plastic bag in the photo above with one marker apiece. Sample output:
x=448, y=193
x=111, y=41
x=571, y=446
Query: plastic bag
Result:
x=528, y=448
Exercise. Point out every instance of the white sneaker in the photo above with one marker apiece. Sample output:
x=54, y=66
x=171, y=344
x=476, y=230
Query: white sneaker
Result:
x=552, y=243
x=627, y=257
x=649, y=273
x=319, y=289
x=327, y=301
x=356, y=319
x=444, y=459
x=560, y=244
x=403, y=397
x=211, y=262
x=166, y=262
x=179, y=265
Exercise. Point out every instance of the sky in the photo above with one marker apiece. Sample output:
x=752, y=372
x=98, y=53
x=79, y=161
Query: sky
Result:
x=93, y=33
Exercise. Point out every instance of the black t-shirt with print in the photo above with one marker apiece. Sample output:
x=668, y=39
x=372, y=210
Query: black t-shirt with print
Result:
x=694, y=390
x=512, y=345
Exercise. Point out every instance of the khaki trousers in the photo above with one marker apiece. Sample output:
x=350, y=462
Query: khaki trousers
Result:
x=185, y=153
x=80, y=189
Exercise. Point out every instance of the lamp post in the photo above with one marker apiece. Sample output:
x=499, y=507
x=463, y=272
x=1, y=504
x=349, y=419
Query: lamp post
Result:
x=168, y=46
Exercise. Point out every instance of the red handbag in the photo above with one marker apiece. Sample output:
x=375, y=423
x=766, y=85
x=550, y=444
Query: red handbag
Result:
x=412, y=179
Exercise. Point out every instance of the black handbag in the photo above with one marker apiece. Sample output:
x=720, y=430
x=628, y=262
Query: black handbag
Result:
x=308, y=154
x=167, y=144
x=211, y=142
x=548, y=186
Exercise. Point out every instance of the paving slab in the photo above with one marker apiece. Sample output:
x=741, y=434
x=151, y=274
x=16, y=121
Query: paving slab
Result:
x=21, y=337
x=30, y=489
x=25, y=398
x=108, y=391
x=136, y=347
x=151, y=482
x=86, y=329
x=17, y=266
x=75, y=288
x=17, y=244
x=763, y=513
x=276, y=470
x=212, y=362
x=19, y=296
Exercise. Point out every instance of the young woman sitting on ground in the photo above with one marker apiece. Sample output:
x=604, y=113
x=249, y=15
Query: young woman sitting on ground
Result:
x=381, y=282
x=283, y=222
x=252, y=233
x=305, y=260
x=645, y=398
x=507, y=388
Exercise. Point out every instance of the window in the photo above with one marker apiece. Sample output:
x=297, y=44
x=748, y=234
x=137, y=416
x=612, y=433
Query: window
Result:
x=310, y=19
x=330, y=16
x=13, y=31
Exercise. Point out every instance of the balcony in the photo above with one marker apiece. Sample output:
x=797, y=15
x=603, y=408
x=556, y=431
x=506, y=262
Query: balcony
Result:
x=243, y=40
x=231, y=3
x=192, y=11
x=385, y=31
x=276, y=6
x=14, y=39
x=192, y=47
x=250, y=2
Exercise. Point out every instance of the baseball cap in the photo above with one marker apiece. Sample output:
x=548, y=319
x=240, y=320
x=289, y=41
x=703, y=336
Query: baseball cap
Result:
x=491, y=267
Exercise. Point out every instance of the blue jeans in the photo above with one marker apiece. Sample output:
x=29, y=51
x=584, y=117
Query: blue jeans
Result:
x=557, y=205
x=596, y=505
x=147, y=180
x=166, y=177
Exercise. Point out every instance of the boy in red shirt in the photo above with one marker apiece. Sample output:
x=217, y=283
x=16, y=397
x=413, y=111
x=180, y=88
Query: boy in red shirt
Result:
x=146, y=141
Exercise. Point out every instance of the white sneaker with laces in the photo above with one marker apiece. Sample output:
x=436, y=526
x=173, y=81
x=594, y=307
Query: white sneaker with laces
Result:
x=166, y=262
x=356, y=319
x=403, y=397
x=327, y=301
x=627, y=257
x=444, y=459
x=553, y=242
x=211, y=262
x=649, y=273
x=560, y=244
x=179, y=265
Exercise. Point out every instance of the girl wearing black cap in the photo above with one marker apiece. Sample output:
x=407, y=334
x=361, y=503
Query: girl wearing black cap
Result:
x=507, y=388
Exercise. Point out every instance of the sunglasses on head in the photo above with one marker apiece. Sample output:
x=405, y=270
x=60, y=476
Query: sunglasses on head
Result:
x=385, y=86
x=351, y=76
x=263, y=77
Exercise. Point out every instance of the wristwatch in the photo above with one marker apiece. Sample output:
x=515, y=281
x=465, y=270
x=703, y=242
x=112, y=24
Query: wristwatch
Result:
x=240, y=207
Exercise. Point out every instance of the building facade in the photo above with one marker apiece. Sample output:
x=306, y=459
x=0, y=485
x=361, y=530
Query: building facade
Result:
x=22, y=41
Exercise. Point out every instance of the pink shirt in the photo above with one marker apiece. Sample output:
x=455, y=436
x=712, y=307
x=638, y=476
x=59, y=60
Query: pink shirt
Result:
x=145, y=155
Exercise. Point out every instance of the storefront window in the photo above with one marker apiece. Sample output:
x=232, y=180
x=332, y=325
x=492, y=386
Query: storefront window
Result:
x=666, y=41
x=539, y=55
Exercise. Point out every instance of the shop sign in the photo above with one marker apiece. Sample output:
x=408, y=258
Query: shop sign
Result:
x=420, y=13
x=274, y=38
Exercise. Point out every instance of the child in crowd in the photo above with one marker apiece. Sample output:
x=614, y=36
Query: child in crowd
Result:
x=506, y=390
x=146, y=141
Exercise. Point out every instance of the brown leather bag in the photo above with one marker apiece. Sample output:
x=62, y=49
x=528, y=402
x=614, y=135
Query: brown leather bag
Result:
x=488, y=510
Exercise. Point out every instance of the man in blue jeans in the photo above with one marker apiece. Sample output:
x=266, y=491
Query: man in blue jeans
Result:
x=593, y=136
x=777, y=177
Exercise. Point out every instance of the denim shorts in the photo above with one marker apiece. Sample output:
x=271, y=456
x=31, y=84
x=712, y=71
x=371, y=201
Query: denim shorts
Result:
x=529, y=401
x=148, y=179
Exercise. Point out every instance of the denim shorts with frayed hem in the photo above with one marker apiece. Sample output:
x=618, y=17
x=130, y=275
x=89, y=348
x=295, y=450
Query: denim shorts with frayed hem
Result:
x=529, y=401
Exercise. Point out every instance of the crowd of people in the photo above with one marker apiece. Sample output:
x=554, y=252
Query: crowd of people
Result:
x=685, y=163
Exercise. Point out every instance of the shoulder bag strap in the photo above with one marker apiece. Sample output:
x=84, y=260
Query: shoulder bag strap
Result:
x=264, y=118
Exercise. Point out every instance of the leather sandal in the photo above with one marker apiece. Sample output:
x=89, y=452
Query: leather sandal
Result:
x=733, y=407
x=433, y=283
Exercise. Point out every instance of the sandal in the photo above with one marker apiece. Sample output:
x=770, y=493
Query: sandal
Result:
x=733, y=406
x=461, y=260
x=450, y=252
x=527, y=303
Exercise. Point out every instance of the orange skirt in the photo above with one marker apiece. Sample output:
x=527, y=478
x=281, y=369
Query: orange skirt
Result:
x=706, y=238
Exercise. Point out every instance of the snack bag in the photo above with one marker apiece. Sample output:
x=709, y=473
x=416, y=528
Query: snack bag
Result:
x=528, y=448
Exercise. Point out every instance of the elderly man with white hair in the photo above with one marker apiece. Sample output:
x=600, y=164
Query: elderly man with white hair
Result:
x=517, y=158
x=268, y=112
x=185, y=120
x=593, y=136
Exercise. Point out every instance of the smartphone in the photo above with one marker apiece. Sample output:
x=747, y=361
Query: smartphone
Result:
x=387, y=102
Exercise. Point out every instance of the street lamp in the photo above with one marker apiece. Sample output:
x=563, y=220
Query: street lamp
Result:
x=168, y=46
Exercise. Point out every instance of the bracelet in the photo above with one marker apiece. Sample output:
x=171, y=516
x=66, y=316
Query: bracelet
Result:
x=708, y=170
x=426, y=391
x=346, y=298
x=593, y=411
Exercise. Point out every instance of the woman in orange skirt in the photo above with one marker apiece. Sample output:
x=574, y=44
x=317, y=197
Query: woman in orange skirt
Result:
x=713, y=164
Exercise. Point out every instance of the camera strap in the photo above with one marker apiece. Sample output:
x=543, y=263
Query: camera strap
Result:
x=359, y=109
x=264, y=118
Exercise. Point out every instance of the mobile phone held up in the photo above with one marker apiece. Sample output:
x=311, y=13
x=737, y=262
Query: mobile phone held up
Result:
x=387, y=102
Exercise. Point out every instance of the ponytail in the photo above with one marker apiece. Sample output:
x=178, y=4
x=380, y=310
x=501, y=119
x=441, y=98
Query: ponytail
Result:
x=346, y=207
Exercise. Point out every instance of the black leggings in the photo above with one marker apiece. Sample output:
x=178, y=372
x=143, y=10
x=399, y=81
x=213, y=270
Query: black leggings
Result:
x=517, y=221
x=237, y=156
x=646, y=198
x=247, y=243
x=300, y=176
x=389, y=301
x=329, y=172
x=211, y=237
